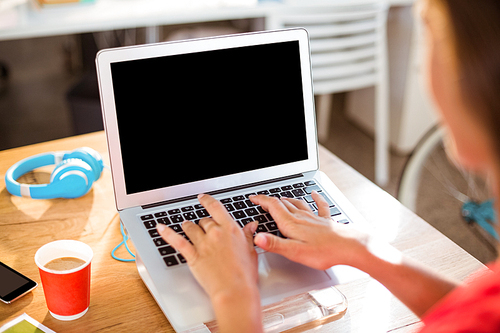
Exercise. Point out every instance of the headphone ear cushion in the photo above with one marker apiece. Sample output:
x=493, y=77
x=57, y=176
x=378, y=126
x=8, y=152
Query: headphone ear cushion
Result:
x=71, y=178
x=91, y=157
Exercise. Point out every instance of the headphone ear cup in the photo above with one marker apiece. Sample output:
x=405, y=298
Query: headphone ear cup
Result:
x=91, y=157
x=72, y=178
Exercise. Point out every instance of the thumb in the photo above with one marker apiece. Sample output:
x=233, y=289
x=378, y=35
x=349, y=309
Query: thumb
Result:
x=249, y=230
x=269, y=242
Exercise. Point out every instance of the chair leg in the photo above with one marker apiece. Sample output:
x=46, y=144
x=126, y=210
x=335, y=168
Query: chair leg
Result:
x=324, y=108
x=381, y=136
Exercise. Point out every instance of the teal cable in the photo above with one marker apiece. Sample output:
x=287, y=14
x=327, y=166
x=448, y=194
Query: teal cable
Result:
x=123, y=242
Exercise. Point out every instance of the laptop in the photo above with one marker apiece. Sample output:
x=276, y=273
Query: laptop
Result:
x=229, y=116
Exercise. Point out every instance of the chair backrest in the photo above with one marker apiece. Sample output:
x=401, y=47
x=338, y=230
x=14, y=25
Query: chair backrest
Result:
x=348, y=41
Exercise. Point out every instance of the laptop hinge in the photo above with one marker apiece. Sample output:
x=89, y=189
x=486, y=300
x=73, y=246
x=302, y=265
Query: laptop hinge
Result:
x=230, y=189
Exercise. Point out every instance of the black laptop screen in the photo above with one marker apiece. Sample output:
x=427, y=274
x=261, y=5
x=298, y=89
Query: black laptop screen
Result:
x=197, y=116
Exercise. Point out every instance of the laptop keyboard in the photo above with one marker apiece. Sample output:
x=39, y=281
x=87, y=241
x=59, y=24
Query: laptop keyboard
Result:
x=240, y=208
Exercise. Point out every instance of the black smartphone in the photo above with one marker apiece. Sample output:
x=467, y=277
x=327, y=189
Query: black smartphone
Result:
x=13, y=284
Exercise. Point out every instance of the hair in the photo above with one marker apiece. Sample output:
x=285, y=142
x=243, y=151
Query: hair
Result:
x=475, y=25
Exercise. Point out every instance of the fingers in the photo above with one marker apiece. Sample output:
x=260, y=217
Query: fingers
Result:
x=249, y=231
x=215, y=208
x=206, y=223
x=296, y=204
x=194, y=232
x=274, y=206
x=177, y=241
x=323, y=207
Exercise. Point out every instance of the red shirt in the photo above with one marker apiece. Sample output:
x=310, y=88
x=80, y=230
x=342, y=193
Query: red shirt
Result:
x=473, y=307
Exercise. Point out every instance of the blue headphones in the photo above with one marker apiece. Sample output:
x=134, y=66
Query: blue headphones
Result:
x=72, y=177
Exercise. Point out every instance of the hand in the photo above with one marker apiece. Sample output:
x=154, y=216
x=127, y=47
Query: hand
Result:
x=314, y=241
x=221, y=257
x=319, y=242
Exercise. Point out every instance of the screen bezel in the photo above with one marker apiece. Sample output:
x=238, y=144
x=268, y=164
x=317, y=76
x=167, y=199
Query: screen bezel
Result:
x=106, y=57
x=22, y=290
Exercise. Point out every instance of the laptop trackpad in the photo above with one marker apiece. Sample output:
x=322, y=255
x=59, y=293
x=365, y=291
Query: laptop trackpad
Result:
x=280, y=276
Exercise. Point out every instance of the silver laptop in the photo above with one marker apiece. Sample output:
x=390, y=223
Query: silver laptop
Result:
x=229, y=116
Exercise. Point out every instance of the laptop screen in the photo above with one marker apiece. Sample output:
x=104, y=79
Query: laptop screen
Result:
x=190, y=117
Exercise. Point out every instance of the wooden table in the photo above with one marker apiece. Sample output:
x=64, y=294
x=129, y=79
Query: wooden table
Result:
x=120, y=301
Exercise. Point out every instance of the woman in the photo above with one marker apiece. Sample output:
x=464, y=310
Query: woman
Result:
x=464, y=72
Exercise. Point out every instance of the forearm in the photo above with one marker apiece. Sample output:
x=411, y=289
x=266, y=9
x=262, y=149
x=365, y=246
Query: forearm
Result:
x=414, y=284
x=238, y=312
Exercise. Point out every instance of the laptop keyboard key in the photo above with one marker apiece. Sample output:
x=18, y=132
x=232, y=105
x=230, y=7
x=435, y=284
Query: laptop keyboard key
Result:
x=239, y=205
x=298, y=192
x=272, y=226
x=250, y=203
x=160, y=214
x=164, y=251
x=260, y=218
x=261, y=228
x=239, y=198
x=171, y=261
x=163, y=220
x=309, y=189
x=147, y=217
x=202, y=213
x=176, y=227
x=334, y=211
x=330, y=203
x=153, y=233
x=189, y=216
x=181, y=258
x=251, y=211
x=187, y=209
x=246, y=221
x=176, y=218
x=239, y=214
x=159, y=241
x=174, y=211
x=150, y=224
x=309, y=199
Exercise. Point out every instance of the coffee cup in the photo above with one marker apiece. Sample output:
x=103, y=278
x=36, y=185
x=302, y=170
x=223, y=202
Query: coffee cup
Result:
x=64, y=267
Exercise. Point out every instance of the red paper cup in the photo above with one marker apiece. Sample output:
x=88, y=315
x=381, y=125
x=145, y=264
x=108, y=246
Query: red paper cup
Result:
x=67, y=293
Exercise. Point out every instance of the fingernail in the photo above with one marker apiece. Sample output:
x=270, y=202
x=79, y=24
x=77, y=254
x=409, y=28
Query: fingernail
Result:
x=260, y=240
x=201, y=195
x=160, y=227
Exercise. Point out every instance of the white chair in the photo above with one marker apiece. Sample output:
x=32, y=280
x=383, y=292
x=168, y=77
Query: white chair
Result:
x=348, y=52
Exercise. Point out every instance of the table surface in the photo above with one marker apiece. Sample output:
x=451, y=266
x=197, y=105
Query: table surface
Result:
x=119, y=298
x=26, y=21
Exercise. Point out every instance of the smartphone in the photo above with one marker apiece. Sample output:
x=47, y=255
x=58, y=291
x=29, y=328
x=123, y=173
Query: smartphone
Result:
x=13, y=284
